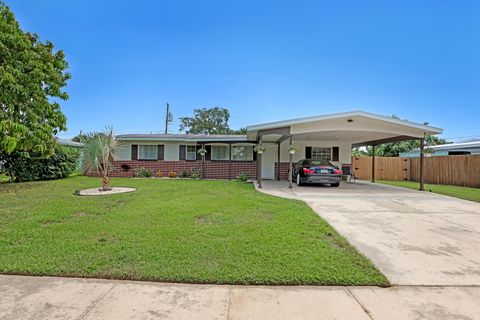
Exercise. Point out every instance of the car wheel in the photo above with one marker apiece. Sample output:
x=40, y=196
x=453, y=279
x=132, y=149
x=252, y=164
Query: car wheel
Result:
x=299, y=181
x=335, y=184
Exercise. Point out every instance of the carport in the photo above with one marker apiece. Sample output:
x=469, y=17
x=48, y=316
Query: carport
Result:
x=330, y=137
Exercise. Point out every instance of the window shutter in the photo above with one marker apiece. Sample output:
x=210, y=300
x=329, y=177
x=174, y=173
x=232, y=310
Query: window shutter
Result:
x=308, y=152
x=254, y=156
x=134, y=155
x=208, y=156
x=335, y=154
x=161, y=152
x=182, y=150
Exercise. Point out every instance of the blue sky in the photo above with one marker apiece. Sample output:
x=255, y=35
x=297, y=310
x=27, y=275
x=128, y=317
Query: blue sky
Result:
x=264, y=60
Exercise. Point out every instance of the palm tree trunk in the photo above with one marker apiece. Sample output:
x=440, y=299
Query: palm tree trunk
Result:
x=106, y=183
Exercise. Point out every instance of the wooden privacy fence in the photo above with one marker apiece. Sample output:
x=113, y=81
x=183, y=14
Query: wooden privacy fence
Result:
x=461, y=170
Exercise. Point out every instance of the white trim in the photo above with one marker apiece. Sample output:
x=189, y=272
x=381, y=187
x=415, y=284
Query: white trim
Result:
x=239, y=139
x=286, y=123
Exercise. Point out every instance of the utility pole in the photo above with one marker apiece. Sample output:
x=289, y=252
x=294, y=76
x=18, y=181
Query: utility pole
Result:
x=168, y=118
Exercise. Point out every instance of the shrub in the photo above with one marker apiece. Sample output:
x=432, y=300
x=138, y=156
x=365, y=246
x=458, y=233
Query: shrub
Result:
x=244, y=177
x=172, y=174
x=125, y=167
x=159, y=174
x=184, y=174
x=27, y=167
x=142, y=172
x=196, y=174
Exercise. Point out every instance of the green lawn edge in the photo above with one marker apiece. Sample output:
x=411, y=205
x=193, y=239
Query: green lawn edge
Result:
x=465, y=193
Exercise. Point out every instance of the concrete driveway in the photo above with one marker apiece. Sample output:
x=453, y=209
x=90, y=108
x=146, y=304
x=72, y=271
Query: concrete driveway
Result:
x=414, y=238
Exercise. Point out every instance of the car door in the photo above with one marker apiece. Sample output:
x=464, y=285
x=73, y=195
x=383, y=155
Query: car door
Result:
x=296, y=167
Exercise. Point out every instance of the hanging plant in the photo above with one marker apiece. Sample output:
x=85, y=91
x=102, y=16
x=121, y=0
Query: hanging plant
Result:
x=292, y=149
x=259, y=149
x=202, y=152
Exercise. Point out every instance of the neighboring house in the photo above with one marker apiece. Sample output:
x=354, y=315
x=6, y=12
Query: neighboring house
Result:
x=328, y=137
x=69, y=143
x=75, y=145
x=450, y=149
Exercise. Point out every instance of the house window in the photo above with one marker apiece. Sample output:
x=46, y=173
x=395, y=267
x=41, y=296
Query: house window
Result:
x=242, y=153
x=319, y=153
x=219, y=152
x=147, y=152
x=191, y=153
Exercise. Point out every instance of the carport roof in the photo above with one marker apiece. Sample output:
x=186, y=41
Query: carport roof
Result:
x=357, y=127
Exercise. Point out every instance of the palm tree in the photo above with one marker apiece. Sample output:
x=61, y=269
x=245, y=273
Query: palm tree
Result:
x=98, y=153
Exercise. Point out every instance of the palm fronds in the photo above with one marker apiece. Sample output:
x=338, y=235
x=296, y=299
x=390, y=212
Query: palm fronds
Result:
x=98, y=152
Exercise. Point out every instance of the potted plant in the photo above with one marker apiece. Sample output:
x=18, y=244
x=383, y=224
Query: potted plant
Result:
x=292, y=149
x=259, y=148
x=202, y=152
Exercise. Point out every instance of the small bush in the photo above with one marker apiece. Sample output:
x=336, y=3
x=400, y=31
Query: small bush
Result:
x=159, y=174
x=196, y=174
x=184, y=174
x=172, y=174
x=244, y=177
x=142, y=172
x=125, y=167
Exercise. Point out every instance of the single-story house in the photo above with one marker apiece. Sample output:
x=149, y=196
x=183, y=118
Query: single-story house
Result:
x=328, y=137
x=450, y=149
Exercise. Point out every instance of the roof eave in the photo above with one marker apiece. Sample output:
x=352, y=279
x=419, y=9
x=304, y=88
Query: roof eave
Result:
x=276, y=124
x=180, y=139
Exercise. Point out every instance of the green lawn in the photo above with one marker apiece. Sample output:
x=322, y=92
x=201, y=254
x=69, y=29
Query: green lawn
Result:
x=173, y=230
x=472, y=194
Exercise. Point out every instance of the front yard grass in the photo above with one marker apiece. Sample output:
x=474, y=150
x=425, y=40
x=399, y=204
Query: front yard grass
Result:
x=173, y=230
x=472, y=194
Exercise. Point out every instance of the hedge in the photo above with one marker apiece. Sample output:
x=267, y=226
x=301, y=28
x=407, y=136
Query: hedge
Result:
x=27, y=168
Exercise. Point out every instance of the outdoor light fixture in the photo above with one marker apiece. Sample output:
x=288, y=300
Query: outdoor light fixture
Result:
x=350, y=120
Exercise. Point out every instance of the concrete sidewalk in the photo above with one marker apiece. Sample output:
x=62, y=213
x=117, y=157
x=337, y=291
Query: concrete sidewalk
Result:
x=70, y=298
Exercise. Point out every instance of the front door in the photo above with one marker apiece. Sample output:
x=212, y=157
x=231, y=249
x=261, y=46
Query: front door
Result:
x=268, y=161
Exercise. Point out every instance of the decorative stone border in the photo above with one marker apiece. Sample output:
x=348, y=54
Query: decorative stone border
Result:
x=97, y=192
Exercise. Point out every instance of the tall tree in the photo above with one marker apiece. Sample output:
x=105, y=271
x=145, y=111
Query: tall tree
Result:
x=206, y=121
x=32, y=78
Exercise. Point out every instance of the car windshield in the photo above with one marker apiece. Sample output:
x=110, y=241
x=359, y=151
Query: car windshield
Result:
x=317, y=163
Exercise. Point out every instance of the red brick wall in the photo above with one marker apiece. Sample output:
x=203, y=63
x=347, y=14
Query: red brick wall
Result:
x=284, y=167
x=213, y=169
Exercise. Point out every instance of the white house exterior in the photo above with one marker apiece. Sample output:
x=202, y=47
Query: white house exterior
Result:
x=328, y=137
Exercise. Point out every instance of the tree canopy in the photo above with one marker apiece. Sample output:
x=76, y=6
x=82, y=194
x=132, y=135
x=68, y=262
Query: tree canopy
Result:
x=83, y=135
x=32, y=78
x=207, y=121
x=395, y=148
